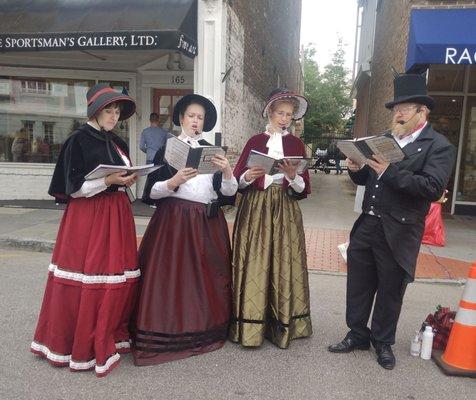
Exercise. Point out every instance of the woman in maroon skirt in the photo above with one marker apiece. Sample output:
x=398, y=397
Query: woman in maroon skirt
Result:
x=185, y=297
x=93, y=275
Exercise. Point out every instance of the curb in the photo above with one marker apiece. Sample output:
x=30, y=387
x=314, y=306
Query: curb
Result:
x=452, y=282
x=41, y=246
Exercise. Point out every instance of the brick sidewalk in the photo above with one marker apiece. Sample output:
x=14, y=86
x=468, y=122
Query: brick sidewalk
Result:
x=323, y=255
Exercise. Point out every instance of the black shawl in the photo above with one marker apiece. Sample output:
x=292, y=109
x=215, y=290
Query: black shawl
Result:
x=83, y=151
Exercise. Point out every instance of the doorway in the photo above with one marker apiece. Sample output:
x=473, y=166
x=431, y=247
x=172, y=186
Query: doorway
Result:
x=163, y=103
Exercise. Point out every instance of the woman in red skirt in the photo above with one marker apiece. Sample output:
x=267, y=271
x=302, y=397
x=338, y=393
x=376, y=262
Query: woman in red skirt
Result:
x=93, y=275
x=185, y=298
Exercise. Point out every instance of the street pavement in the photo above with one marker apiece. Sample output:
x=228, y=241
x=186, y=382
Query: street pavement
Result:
x=305, y=371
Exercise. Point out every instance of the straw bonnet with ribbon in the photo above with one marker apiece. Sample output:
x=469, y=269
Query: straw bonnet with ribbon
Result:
x=283, y=94
x=210, y=111
x=410, y=88
x=102, y=94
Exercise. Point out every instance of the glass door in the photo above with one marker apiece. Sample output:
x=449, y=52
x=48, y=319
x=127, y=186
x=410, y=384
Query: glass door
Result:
x=446, y=119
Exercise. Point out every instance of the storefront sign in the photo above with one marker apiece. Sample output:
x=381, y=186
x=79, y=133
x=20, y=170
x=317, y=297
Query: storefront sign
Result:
x=460, y=56
x=454, y=42
x=139, y=40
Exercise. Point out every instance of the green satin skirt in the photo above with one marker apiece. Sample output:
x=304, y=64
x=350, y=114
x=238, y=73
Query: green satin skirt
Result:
x=270, y=279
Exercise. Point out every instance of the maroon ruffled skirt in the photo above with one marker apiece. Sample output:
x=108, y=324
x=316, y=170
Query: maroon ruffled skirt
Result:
x=184, y=304
x=91, y=287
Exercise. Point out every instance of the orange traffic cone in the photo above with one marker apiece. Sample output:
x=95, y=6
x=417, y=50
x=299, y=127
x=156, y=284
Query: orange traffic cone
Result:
x=459, y=357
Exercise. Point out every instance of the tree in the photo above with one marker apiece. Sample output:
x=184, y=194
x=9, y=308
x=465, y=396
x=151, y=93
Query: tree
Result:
x=328, y=93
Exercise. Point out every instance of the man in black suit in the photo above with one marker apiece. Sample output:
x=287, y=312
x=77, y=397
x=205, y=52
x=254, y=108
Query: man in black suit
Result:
x=385, y=239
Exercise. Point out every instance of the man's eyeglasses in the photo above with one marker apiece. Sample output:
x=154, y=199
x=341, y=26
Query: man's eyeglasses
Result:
x=403, y=109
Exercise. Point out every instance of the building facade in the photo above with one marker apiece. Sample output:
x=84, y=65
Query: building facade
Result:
x=50, y=54
x=436, y=38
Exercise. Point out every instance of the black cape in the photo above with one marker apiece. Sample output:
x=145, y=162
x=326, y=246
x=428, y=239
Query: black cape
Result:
x=166, y=172
x=83, y=151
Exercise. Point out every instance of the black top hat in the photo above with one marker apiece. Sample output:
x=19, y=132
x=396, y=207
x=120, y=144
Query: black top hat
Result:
x=210, y=110
x=410, y=88
x=100, y=95
x=283, y=93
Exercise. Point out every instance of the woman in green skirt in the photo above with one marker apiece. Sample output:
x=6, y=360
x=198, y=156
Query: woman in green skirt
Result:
x=270, y=281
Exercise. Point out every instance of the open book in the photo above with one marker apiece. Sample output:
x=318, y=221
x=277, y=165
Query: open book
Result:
x=103, y=170
x=270, y=164
x=180, y=154
x=359, y=150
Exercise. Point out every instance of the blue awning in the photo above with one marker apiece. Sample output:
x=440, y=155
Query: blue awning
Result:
x=441, y=36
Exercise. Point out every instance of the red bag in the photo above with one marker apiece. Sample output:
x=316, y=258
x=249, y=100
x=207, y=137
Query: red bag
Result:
x=441, y=322
x=434, y=233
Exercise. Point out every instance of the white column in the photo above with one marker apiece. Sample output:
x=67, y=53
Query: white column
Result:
x=210, y=61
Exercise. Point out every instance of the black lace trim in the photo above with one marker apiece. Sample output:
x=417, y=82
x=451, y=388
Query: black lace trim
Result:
x=270, y=319
x=171, y=342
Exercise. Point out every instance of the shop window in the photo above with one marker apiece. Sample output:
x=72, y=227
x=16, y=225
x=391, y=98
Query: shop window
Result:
x=467, y=171
x=472, y=79
x=37, y=115
x=446, y=78
x=446, y=119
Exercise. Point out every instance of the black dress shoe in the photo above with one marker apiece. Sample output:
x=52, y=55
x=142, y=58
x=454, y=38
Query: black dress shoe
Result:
x=385, y=357
x=347, y=345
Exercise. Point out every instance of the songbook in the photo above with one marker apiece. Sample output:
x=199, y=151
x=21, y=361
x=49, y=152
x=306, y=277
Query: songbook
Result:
x=270, y=164
x=180, y=154
x=359, y=150
x=103, y=170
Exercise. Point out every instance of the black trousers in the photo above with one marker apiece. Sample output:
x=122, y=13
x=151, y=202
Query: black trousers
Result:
x=372, y=274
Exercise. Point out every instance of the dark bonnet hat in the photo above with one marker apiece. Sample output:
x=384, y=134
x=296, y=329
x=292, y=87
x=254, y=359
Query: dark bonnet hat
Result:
x=210, y=110
x=410, y=88
x=101, y=95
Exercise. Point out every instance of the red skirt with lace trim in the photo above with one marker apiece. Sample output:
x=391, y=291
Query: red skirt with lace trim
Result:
x=91, y=286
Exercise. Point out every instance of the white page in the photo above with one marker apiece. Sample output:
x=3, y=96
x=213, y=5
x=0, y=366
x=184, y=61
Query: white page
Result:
x=387, y=148
x=303, y=163
x=103, y=170
x=350, y=150
x=176, y=153
x=206, y=166
x=257, y=159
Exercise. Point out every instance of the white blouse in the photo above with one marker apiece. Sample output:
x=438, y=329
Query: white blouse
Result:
x=275, y=149
x=199, y=188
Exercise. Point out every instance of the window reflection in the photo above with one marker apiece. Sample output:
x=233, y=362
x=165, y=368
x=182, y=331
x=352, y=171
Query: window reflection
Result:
x=446, y=78
x=38, y=114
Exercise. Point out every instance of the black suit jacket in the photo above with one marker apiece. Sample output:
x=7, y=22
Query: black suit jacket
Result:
x=403, y=194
